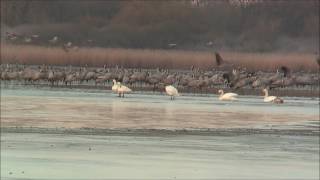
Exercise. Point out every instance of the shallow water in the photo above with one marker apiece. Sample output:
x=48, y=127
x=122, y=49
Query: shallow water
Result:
x=51, y=156
x=154, y=156
x=79, y=108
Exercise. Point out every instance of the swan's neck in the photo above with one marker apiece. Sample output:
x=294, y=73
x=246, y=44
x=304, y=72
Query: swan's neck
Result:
x=221, y=93
x=266, y=94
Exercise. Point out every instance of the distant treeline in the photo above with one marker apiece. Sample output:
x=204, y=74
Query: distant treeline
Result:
x=265, y=26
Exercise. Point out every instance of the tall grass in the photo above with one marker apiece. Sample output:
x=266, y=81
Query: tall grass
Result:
x=147, y=58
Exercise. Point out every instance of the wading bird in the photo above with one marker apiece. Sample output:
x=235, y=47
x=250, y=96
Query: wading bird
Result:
x=114, y=88
x=121, y=89
x=171, y=91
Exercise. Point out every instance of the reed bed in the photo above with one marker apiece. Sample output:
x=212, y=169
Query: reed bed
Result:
x=148, y=58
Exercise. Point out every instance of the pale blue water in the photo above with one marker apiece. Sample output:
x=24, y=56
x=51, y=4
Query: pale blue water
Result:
x=65, y=156
x=94, y=108
x=48, y=156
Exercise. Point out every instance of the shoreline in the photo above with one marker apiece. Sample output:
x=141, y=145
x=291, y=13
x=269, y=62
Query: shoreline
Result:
x=163, y=132
x=286, y=92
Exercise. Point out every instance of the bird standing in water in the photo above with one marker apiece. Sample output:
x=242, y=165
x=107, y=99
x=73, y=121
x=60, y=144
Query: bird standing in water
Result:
x=171, y=91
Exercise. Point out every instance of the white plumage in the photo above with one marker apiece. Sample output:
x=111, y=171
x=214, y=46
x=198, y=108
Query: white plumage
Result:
x=269, y=98
x=115, y=86
x=227, y=96
x=171, y=91
x=121, y=89
x=273, y=99
x=54, y=39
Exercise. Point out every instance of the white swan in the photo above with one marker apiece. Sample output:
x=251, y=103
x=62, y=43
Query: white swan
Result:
x=115, y=86
x=227, y=96
x=273, y=99
x=172, y=91
x=121, y=89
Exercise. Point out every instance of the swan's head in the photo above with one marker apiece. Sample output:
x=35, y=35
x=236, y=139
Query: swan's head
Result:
x=220, y=91
x=265, y=91
x=114, y=81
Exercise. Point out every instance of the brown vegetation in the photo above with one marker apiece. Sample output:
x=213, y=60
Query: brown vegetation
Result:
x=262, y=27
x=147, y=58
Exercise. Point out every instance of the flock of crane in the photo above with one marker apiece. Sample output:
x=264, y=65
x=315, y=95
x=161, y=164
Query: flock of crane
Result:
x=162, y=79
x=226, y=75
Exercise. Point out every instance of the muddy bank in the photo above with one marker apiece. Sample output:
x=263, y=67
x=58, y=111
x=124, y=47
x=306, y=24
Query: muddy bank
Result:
x=163, y=132
x=284, y=92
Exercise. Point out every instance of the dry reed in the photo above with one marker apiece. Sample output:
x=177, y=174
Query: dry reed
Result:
x=147, y=58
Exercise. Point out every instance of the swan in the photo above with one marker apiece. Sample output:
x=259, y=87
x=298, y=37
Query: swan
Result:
x=171, y=91
x=121, y=89
x=273, y=99
x=115, y=86
x=227, y=96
